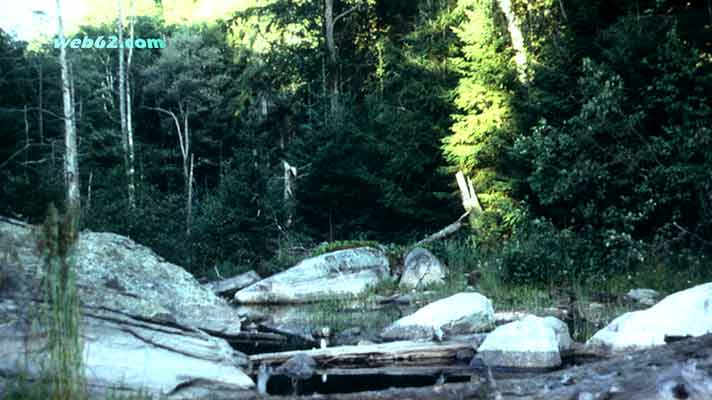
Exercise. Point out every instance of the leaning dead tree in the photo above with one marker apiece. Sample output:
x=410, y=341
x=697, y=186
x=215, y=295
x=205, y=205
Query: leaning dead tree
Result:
x=471, y=204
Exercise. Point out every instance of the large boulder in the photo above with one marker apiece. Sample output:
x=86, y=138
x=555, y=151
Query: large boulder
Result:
x=340, y=274
x=531, y=342
x=228, y=287
x=125, y=355
x=684, y=313
x=116, y=273
x=422, y=268
x=458, y=314
x=146, y=324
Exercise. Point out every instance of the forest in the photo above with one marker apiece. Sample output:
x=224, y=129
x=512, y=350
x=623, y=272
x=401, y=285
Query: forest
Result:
x=356, y=199
x=583, y=129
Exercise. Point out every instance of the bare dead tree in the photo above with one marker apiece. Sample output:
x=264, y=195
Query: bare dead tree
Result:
x=71, y=165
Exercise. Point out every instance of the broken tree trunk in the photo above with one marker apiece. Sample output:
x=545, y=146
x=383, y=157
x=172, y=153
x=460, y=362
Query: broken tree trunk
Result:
x=470, y=201
x=445, y=232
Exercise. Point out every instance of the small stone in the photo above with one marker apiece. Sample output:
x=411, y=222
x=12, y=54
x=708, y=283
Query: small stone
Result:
x=646, y=297
x=615, y=389
x=567, y=379
x=586, y=396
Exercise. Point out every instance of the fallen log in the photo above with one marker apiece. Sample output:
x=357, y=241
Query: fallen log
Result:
x=445, y=232
x=400, y=353
x=434, y=371
x=680, y=370
x=259, y=337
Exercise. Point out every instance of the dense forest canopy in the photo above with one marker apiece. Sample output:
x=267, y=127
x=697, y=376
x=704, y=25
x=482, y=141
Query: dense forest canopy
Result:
x=265, y=127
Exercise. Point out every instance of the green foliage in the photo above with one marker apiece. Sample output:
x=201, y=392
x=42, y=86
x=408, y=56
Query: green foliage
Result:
x=231, y=222
x=632, y=157
x=483, y=128
x=486, y=124
x=385, y=287
x=608, y=142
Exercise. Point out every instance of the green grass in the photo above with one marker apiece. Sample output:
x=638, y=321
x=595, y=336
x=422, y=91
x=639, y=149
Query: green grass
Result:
x=61, y=320
x=385, y=287
x=23, y=388
x=343, y=314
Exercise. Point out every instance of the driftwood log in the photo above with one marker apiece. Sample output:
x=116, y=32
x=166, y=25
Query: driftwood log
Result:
x=401, y=353
x=445, y=232
x=680, y=370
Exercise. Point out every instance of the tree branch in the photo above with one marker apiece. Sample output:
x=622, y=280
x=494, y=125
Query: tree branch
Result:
x=175, y=119
x=345, y=13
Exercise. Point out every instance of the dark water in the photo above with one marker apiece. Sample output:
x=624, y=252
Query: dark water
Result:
x=281, y=385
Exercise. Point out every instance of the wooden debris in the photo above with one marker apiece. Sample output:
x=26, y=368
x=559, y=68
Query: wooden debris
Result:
x=659, y=373
x=402, y=353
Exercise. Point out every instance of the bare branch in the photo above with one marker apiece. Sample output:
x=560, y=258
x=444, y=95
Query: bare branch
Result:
x=15, y=154
x=175, y=119
x=345, y=13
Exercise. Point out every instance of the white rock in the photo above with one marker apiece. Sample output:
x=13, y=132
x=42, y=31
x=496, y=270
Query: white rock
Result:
x=458, y=314
x=124, y=355
x=116, y=273
x=688, y=312
x=339, y=274
x=531, y=342
x=422, y=268
x=146, y=323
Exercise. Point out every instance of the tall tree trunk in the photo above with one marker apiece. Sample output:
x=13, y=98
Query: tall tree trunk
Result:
x=188, y=176
x=517, y=38
x=40, y=100
x=71, y=165
x=122, y=96
x=329, y=22
x=329, y=30
x=189, y=196
x=73, y=100
x=290, y=183
x=331, y=49
x=131, y=170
